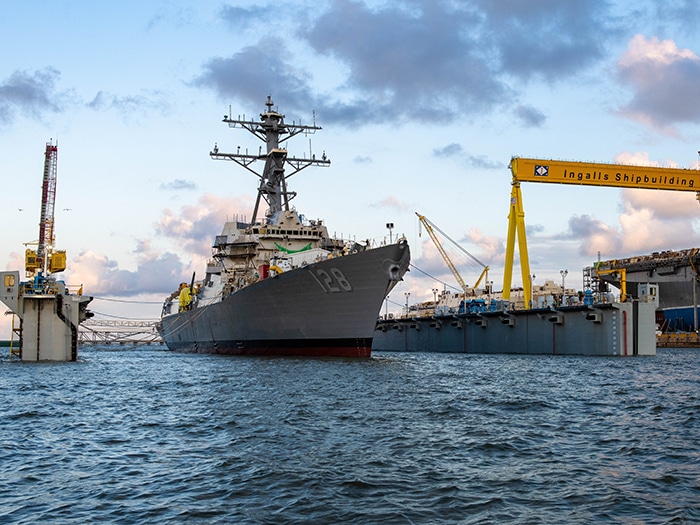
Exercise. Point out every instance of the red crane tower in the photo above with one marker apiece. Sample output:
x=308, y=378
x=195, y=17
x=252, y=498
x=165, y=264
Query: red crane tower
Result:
x=49, y=313
x=43, y=261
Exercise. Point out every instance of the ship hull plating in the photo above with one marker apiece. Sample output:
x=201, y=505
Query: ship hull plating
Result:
x=676, y=306
x=327, y=308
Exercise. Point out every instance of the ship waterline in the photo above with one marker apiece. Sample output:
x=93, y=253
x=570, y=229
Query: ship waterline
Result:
x=323, y=309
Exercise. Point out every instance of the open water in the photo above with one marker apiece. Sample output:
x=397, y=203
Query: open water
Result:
x=142, y=435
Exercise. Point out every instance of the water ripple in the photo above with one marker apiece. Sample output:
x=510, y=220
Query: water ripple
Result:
x=141, y=435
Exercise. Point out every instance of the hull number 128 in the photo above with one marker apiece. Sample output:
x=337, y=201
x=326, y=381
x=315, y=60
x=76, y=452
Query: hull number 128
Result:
x=332, y=280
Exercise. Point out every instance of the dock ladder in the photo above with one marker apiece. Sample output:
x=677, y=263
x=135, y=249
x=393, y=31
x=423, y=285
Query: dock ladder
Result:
x=16, y=331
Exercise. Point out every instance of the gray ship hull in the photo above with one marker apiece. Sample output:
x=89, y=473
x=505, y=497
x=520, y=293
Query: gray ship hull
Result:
x=677, y=305
x=327, y=308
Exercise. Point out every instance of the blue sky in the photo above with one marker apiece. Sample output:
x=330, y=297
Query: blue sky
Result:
x=422, y=104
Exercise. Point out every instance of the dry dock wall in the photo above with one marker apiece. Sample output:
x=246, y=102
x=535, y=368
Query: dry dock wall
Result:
x=49, y=322
x=47, y=336
x=619, y=329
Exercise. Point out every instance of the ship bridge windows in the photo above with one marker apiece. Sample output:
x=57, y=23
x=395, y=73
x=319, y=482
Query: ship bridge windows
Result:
x=296, y=233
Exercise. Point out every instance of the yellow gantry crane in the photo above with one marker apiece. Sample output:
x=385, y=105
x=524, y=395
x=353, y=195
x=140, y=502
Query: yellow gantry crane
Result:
x=430, y=228
x=581, y=173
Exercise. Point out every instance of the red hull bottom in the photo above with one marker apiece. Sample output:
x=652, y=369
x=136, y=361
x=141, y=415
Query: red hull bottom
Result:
x=301, y=348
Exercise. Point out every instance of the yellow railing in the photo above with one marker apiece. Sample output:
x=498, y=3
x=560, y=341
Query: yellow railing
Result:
x=15, y=350
x=27, y=288
x=678, y=339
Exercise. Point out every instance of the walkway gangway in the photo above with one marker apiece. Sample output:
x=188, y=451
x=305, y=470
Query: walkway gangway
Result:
x=138, y=332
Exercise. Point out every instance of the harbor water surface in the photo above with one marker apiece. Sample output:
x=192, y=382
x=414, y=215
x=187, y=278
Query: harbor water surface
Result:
x=135, y=435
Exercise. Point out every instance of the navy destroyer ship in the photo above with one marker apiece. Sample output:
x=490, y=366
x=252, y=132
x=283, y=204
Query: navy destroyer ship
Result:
x=280, y=284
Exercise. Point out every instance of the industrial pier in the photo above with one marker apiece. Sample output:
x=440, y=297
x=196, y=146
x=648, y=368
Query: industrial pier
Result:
x=600, y=324
x=606, y=329
x=46, y=311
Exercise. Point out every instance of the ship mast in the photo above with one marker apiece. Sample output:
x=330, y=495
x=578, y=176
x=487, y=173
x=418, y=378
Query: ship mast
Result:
x=273, y=131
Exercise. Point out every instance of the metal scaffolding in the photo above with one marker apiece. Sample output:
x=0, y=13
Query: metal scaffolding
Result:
x=119, y=332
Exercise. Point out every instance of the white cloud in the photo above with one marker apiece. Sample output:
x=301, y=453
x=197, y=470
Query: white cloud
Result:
x=194, y=226
x=653, y=50
x=664, y=80
x=391, y=203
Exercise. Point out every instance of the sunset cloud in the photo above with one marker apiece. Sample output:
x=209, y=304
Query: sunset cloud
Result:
x=664, y=81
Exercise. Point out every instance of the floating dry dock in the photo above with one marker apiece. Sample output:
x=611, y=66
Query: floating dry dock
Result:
x=605, y=329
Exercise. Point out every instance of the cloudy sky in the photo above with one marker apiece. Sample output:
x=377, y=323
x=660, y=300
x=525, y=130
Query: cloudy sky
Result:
x=422, y=104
